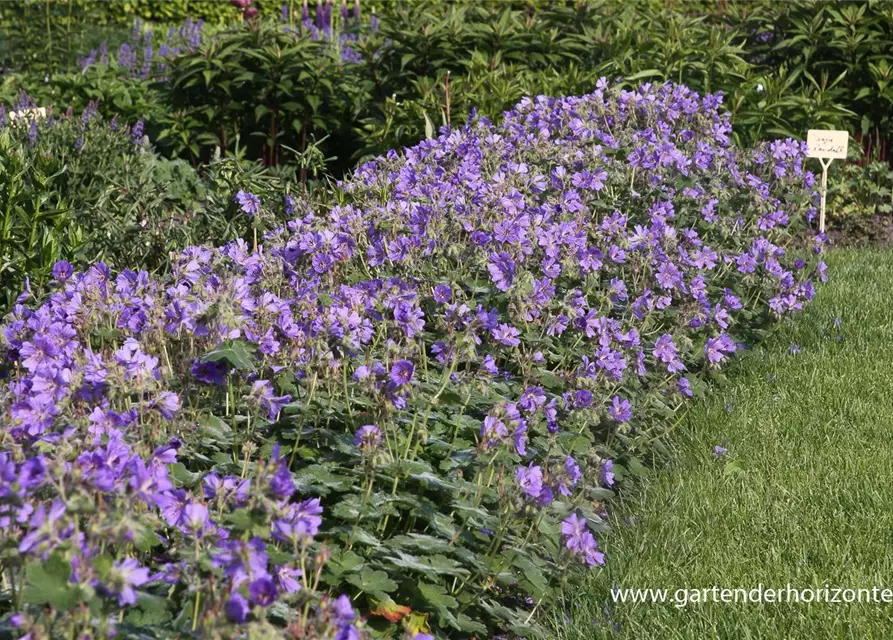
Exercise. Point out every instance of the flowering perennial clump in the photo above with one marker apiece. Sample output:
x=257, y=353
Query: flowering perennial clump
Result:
x=139, y=58
x=144, y=56
x=413, y=402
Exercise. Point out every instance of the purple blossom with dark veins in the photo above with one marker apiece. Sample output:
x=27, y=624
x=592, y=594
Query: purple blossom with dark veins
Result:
x=248, y=202
x=402, y=372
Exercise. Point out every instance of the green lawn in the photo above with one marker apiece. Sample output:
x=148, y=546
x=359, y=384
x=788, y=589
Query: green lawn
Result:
x=805, y=495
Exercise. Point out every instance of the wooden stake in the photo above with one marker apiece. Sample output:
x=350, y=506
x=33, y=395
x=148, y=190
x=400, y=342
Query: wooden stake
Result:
x=824, y=191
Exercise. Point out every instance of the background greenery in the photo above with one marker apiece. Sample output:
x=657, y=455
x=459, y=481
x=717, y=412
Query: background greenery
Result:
x=84, y=189
x=275, y=96
x=277, y=99
x=784, y=67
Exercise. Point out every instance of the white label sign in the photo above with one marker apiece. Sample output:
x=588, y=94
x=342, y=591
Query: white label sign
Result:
x=827, y=144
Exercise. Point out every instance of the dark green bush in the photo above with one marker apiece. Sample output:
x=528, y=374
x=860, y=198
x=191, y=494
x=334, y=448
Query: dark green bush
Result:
x=267, y=90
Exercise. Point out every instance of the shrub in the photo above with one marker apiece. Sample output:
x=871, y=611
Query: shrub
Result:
x=98, y=87
x=53, y=169
x=85, y=189
x=860, y=190
x=419, y=396
x=271, y=88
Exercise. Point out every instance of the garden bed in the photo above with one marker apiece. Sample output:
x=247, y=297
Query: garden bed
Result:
x=868, y=231
x=419, y=397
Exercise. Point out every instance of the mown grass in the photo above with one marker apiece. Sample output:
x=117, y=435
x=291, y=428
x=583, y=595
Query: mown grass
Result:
x=805, y=495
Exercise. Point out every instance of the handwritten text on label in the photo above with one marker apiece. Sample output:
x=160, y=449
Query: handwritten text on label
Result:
x=827, y=144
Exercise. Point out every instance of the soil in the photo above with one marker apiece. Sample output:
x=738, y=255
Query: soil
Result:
x=863, y=231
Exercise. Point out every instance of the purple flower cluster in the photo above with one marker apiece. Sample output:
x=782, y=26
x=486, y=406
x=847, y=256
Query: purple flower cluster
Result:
x=99, y=411
x=489, y=303
x=579, y=540
x=138, y=57
x=340, y=31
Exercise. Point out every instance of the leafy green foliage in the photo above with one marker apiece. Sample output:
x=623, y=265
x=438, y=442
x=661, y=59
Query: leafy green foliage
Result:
x=84, y=189
x=272, y=91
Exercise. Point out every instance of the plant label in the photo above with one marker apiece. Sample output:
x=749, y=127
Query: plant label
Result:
x=830, y=145
x=827, y=146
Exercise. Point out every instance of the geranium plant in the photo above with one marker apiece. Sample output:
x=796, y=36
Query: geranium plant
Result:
x=417, y=397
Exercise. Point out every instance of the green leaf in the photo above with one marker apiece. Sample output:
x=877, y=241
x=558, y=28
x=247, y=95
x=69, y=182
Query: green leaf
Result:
x=343, y=562
x=47, y=583
x=532, y=574
x=215, y=430
x=438, y=565
x=319, y=480
x=183, y=475
x=370, y=580
x=437, y=596
x=151, y=611
x=732, y=468
x=253, y=521
x=235, y=352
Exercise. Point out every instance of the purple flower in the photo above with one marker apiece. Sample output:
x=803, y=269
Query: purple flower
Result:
x=282, y=484
x=507, y=335
x=209, y=372
x=136, y=133
x=299, y=523
x=31, y=474
x=665, y=351
x=124, y=576
x=262, y=591
x=195, y=518
x=236, y=608
x=248, y=202
x=262, y=394
x=402, y=372
x=287, y=577
x=489, y=365
x=532, y=399
x=716, y=349
x=580, y=541
x=442, y=294
x=573, y=526
x=62, y=270
x=367, y=438
x=502, y=270
x=607, y=473
x=410, y=318
x=620, y=409
x=229, y=489
x=582, y=398
x=719, y=451
x=571, y=476
x=344, y=612
x=493, y=431
x=167, y=404
x=520, y=438
x=530, y=480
